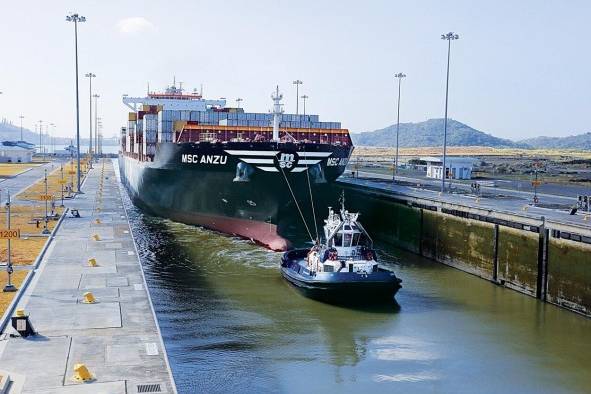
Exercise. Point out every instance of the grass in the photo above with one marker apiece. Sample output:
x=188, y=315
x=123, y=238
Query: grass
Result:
x=26, y=210
x=25, y=249
x=54, y=186
x=28, y=215
x=12, y=169
x=17, y=280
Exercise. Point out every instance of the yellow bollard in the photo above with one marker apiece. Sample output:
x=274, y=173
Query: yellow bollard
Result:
x=92, y=262
x=97, y=221
x=477, y=200
x=525, y=207
x=81, y=373
x=96, y=237
x=89, y=298
x=98, y=209
x=20, y=312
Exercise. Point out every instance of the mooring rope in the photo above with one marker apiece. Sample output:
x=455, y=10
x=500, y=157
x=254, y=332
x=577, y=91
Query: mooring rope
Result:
x=297, y=205
x=311, y=198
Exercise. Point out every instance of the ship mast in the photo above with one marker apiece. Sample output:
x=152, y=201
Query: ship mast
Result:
x=277, y=111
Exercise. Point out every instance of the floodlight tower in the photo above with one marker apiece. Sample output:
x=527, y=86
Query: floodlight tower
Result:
x=449, y=37
x=77, y=19
x=96, y=97
x=304, y=98
x=21, y=117
x=399, y=76
x=90, y=76
x=297, y=83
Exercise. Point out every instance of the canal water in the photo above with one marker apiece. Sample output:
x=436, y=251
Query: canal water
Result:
x=231, y=324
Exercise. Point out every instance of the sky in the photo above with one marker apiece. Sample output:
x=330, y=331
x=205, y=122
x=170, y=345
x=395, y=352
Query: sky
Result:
x=520, y=68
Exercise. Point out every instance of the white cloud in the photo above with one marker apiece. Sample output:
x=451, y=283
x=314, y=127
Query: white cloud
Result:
x=135, y=25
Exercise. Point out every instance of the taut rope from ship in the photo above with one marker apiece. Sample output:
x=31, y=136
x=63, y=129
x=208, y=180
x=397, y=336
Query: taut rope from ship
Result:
x=311, y=198
x=297, y=205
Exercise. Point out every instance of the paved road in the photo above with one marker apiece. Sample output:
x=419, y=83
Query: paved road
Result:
x=26, y=179
x=527, y=196
x=515, y=202
x=117, y=337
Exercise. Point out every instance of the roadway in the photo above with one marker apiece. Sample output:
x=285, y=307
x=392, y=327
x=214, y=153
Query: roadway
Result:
x=492, y=198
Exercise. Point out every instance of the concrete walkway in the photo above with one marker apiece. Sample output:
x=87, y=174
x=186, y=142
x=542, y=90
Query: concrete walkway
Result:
x=118, y=337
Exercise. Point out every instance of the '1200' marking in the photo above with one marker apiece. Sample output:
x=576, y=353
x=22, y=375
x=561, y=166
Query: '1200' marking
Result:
x=204, y=159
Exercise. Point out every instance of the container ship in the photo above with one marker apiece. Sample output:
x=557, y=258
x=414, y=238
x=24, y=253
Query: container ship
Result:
x=254, y=175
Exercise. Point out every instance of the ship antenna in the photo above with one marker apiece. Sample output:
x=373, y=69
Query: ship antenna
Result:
x=277, y=111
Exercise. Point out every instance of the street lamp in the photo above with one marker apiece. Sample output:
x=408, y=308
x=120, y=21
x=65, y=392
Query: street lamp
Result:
x=304, y=97
x=96, y=96
x=100, y=135
x=76, y=19
x=21, y=117
x=449, y=37
x=90, y=76
x=238, y=100
x=297, y=83
x=40, y=141
x=399, y=76
x=49, y=149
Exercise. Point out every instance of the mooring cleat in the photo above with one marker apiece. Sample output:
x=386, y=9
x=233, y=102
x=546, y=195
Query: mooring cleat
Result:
x=89, y=298
x=82, y=374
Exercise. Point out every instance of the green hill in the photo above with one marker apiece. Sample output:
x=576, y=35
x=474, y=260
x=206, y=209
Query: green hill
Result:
x=430, y=133
x=581, y=141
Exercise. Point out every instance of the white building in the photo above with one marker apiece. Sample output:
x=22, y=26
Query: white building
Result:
x=457, y=167
x=15, y=154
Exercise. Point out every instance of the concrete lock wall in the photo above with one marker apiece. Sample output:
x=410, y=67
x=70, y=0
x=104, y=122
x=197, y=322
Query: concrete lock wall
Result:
x=569, y=274
x=511, y=251
x=518, y=259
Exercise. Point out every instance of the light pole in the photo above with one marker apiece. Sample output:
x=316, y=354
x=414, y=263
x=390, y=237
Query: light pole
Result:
x=90, y=76
x=297, y=83
x=399, y=76
x=40, y=141
x=96, y=96
x=100, y=135
x=449, y=37
x=238, y=100
x=49, y=137
x=304, y=97
x=9, y=270
x=21, y=118
x=77, y=18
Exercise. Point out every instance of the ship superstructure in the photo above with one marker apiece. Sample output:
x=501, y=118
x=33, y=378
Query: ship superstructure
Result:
x=253, y=174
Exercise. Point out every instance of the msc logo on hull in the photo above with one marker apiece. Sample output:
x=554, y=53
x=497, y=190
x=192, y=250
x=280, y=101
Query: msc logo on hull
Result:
x=286, y=160
x=280, y=161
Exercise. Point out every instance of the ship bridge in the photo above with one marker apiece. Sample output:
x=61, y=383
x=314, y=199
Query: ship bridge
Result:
x=180, y=102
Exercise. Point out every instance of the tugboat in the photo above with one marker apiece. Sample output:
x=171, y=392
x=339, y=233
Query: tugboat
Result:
x=342, y=270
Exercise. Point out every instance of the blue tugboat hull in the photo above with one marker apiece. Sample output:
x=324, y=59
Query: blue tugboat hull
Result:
x=340, y=287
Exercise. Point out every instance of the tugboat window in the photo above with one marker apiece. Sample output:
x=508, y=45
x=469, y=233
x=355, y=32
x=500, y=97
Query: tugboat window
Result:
x=338, y=240
x=356, y=239
x=347, y=240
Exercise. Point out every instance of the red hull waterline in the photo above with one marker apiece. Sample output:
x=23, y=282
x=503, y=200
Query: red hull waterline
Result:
x=262, y=233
